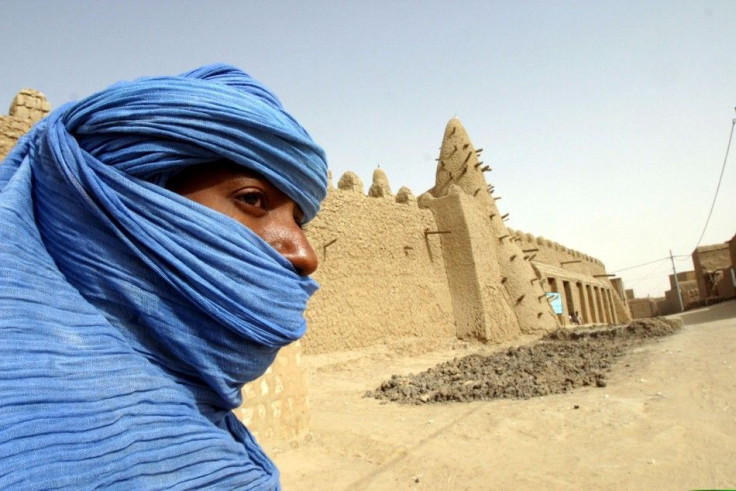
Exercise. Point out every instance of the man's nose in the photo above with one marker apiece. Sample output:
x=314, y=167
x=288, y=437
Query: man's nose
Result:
x=303, y=257
x=293, y=244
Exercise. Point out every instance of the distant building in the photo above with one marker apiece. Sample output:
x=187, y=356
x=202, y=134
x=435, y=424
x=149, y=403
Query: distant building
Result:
x=643, y=307
x=689, y=293
x=714, y=272
x=712, y=280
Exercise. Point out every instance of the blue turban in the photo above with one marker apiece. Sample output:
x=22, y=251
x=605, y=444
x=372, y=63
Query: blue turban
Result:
x=130, y=317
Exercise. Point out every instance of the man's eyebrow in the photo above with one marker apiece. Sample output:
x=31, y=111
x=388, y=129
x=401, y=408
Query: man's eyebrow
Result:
x=243, y=173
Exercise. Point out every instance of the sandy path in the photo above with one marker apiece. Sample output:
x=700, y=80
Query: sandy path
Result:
x=667, y=418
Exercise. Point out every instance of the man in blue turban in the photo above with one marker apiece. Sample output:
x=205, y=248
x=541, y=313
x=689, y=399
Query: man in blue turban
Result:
x=134, y=304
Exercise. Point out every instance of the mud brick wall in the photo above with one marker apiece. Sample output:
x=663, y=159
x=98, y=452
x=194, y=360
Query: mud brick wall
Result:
x=28, y=107
x=276, y=405
x=381, y=278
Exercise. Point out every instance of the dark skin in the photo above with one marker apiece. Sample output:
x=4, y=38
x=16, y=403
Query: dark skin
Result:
x=253, y=201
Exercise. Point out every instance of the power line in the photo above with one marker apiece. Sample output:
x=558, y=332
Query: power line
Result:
x=720, y=178
x=640, y=265
x=647, y=276
x=679, y=257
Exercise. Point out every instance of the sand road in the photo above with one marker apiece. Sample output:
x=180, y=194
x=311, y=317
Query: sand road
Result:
x=666, y=419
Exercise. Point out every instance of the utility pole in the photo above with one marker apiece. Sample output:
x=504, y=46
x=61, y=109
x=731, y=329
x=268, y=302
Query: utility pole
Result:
x=677, y=283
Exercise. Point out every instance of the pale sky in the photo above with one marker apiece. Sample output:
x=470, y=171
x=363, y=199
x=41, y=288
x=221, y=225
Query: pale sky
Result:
x=606, y=122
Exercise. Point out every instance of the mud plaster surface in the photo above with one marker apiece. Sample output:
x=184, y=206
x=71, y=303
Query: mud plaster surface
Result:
x=559, y=362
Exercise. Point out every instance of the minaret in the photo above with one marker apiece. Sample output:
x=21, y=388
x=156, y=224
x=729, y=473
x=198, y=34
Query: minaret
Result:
x=464, y=204
x=481, y=305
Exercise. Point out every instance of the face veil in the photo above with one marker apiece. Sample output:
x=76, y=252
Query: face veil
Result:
x=130, y=316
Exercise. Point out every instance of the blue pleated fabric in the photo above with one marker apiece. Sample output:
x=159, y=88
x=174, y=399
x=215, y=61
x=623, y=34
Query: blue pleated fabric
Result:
x=130, y=317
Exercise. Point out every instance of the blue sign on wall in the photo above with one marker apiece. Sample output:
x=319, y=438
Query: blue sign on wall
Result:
x=555, y=300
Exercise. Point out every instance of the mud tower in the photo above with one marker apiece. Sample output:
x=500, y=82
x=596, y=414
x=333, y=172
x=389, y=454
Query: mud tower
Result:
x=380, y=188
x=496, y=294
x=28, y=107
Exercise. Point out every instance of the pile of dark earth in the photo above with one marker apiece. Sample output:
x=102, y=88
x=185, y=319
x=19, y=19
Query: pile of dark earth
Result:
x=559, y=362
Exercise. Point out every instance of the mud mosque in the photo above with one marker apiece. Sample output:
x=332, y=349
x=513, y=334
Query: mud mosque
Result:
x=397, y=266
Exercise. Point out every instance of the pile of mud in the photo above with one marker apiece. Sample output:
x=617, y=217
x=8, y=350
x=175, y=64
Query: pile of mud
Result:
x=559, y=362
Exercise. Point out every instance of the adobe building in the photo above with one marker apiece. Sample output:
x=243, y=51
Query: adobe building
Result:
x=689, y=293
x=618, y=287
x=713, y=271
x=644, y=307
x=395, y=267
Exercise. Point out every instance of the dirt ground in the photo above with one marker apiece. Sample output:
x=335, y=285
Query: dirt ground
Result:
x=655, y=413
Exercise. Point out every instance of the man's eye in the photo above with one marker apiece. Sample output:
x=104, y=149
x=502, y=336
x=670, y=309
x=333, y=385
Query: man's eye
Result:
x=253, y=198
